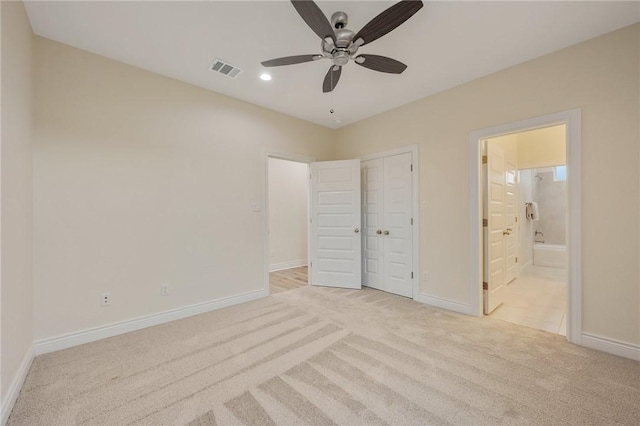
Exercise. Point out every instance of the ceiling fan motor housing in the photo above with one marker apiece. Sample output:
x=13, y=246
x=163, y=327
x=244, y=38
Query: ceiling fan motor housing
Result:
x=340, y=50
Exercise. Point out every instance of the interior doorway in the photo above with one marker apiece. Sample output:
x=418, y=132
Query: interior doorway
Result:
x=571, y=119
x=287, y=223
x=525, y=228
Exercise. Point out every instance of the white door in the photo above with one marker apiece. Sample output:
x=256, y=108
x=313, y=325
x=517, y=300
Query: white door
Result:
x=495, y=265
x=387, y=224
x=511, y=212
x=335, y=224
x=372, y=215
x=397, y=233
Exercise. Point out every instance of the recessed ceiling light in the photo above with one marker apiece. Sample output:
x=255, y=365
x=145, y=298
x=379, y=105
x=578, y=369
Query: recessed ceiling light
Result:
x=337, y=120
x=265, y=77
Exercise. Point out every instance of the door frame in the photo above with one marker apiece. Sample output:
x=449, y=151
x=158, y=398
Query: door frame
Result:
x=572, y=119
x=415, y=207
x=289, y=157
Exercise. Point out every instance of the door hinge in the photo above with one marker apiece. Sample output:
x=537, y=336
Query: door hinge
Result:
x=484, y=159
x=485, y=222
x=516, y=219
x=516, y=260
x=411, y=167
x=412, y=221
x=310, y=264
x=485, y=286
x=310, y=220
x=412, y=275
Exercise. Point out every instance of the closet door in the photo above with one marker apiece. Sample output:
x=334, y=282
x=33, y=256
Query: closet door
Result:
x=372, y=212
x=397, y=231
x=387, y=244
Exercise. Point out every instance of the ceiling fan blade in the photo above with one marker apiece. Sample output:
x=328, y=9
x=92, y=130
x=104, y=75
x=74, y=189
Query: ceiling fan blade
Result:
x=315, y=19
x=290, y=60
x=331, y=79
x=381, y=63
x=388, y=21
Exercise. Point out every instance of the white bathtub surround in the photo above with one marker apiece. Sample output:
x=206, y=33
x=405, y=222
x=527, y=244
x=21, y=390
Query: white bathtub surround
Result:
x=537, y=299
x=551, y=198
x=551, y=255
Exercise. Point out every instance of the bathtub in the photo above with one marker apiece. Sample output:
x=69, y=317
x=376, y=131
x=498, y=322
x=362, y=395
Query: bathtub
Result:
x=553, y=255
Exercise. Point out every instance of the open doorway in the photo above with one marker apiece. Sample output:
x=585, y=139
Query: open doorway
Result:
x=525, y=237
x=571, y=119
x=288, y=213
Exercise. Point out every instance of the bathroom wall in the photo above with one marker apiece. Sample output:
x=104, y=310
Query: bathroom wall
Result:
x=551, y=198
x=525, y=234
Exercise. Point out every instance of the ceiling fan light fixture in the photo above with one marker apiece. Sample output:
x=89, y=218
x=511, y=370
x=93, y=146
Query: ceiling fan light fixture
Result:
x=264, y=76
x=340, y=44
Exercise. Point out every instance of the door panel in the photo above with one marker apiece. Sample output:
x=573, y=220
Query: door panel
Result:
x=511, y=211
x=496, y=221
x=335, y=224
x=372, y=207
x=397, y=244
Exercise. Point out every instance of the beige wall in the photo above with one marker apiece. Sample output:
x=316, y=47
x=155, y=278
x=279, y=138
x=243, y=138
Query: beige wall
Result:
x=141, y=180
x=601, y=77
x=16, y=189
x=542, y=147
x=288, y=204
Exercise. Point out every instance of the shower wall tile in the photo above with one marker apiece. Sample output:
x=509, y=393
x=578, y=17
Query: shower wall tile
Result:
x=552, y=206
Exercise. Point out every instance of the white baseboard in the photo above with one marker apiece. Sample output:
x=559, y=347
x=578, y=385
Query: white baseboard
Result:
x=450, y=305
x=612, y=346
x=91, y=335
x=288, y=265
x=16, y=385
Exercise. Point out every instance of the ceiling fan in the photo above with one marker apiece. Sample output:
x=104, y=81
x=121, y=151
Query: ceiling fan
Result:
x=340, y=44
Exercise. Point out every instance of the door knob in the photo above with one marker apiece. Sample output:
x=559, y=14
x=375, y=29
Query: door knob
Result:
x=356, y=230
x=378, y=232
x=507, y=232
x=386, y=232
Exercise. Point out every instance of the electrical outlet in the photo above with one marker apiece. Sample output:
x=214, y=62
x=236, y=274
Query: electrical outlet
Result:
x=105, y=299
x=164, y=289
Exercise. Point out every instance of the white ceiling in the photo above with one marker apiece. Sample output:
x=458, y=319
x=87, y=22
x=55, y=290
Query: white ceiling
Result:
x=445, y=44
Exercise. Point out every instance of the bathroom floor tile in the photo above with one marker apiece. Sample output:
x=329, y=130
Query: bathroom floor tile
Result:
x=537, y=299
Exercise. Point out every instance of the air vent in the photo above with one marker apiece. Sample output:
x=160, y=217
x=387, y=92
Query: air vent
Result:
x=225, y=68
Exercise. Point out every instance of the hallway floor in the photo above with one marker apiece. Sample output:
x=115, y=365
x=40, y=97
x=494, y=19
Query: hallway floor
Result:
x=288, y=279
x=537, y=299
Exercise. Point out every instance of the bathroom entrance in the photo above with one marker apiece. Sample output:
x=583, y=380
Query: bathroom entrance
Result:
x=525, y=228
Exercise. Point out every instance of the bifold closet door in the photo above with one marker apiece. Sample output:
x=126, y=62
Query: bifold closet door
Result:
x=387, y=209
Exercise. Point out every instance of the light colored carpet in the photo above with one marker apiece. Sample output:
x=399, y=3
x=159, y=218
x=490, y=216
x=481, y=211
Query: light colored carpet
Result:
x=331, y=356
